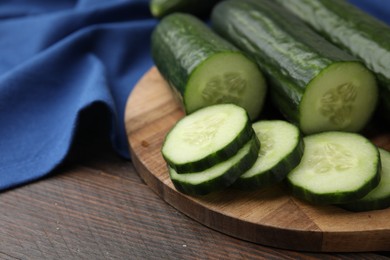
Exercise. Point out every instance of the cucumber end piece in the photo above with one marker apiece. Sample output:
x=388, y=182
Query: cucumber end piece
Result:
x=226, y=78
x=342, y=97
x=161, y=8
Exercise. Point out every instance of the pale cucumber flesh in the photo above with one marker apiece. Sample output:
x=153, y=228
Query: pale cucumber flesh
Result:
x=281, y=150
x=226, y=78
x=206, y=136
x=336, y=167
x=278, y=139
x=343, y=97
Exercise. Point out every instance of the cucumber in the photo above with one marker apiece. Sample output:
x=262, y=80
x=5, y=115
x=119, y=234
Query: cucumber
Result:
x=281, y=151
x=219, y=176
x=353, y=30
x=379, y=197
x=204, y=69
x=336, y=167
x=314, y=84
x=161, y=8
x=207, y=137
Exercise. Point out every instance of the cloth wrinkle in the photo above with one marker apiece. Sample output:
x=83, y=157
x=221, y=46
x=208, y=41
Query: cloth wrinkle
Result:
x=58, y=65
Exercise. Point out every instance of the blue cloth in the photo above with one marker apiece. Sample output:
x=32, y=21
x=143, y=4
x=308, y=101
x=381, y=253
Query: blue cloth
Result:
x=60, y=59
x=377, y=8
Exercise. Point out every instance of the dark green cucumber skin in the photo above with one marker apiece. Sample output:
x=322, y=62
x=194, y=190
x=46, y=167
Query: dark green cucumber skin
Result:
x=335, y=198
x=275, y=175
x=228, y=151
x=366, y=205
x=287, y=50
x=227, y=179
x=338, y=21
x=182, y=42
x=195, y=7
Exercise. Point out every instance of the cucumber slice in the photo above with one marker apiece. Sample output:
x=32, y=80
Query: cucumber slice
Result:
x=219, y=176
x=207, y=137
x=281, y=151
x=379, y=197
x=336, y=167
x=204, y=69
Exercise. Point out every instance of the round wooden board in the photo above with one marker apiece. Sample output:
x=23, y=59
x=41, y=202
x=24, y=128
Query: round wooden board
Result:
x=269, y=216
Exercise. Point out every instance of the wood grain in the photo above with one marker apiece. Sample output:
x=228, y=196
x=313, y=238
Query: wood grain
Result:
x=97, y=207
x=269, y=216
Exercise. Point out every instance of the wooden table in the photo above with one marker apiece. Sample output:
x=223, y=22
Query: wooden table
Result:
x=95, y=206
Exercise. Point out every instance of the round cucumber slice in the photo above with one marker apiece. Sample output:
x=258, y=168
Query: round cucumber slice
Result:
x=379, y=197
x=342, y=97
x=336, y=167
x=219, y=176
x=206, y=137
x=281, y=151
x=228, y=77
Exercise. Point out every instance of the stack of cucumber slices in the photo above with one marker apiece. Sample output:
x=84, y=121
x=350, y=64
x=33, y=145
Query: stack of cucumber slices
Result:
x=210, y=148
x=218, y=146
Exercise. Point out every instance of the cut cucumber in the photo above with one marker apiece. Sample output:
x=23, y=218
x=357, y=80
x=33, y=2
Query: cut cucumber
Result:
x=218, y=176
x=350, y=28
x=342, y=97
x=203, y=68
x=161, y=8
x=207, y=137
x=226, y=78
x=379, y=197
x=336, y=167
x=313, y=83
x=281, y=151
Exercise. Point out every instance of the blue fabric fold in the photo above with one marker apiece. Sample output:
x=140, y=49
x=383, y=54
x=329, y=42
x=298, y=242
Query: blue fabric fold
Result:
x=61, y=58
x=58, y=58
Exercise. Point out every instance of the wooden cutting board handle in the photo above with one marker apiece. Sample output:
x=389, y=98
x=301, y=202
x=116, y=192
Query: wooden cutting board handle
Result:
x=269, y=216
